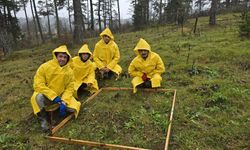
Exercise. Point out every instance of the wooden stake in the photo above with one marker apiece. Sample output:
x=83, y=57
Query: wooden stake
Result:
x=117, y=89
x=92, y=96
x=170, y=121
x=146, y=89
x=90, y=143
x=61, y=124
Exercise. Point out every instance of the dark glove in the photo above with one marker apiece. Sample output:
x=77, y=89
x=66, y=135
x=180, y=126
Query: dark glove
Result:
x=144, y=77
x=62, y=109
x=57, y=99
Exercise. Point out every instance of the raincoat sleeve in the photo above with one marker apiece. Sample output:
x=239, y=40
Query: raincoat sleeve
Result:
x=69, y=90
x=133, y=71
x=40, y=84
x=116, y=58
x=98, y=62
x=160, y=68
x=91, y=76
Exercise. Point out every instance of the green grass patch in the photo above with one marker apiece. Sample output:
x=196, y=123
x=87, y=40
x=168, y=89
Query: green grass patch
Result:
x=120, y=117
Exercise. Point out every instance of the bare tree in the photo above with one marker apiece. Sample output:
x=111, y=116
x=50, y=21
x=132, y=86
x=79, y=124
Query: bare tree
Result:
x=228, y=4
x=69, y=8
x=46, y=9
x=57, y=20
x=34, y=20
x=99, y=15
x=78, y=30
x=104, y=13
x=24, y=2
x=160, y=12
x=119, y=14
x=38, y=22
x=212, y=15
x=49, y=12
x=92, y=15
x=110, y=14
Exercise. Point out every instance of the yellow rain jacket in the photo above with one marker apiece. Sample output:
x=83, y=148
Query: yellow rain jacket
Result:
x=84, y=72
x=153, y=66
x=52, y=80
x=107, y=55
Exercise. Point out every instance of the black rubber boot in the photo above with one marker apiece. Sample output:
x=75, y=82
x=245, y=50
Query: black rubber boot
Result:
x=43, y=118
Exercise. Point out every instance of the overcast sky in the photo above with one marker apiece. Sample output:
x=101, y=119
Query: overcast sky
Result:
x=124, y=8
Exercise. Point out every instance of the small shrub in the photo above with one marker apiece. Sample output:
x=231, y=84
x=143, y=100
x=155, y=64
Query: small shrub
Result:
x=218, y=99
x=244, y=27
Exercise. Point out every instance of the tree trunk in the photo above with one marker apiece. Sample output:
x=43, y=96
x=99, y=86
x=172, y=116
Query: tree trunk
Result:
x=27, y=20
x=14, y=9
x=104, y=14
x=57, y=20
x=147, y=11
x=99, y=15
x=227, y=3
x=38, y=22
x=5, y=15
x=88, y=13
x=160, y=12
x=78, y=30
x=199, y=2
x=69, y=18
x=110, y=15
x=235, y=2
x=82, y=20
x=119, y=14
x=195, y=24
x=92, y=15
x=34, y=21
x=212, y=17
x=50, y=33
x=11, y=24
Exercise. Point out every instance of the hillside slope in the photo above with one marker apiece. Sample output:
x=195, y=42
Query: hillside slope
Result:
x=210, y=72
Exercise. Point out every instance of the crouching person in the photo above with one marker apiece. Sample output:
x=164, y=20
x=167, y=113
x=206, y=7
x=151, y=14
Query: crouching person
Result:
x=146, y=68
x=106, y=56
x=54, y=83
x=84, y=73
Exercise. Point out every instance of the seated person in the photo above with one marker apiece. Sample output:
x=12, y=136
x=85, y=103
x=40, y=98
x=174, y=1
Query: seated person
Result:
x=146, y=68
x=106, y=55
x=54, y=83
x=84, y=72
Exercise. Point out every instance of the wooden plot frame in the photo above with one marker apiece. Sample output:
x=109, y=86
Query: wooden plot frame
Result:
x=111, y=146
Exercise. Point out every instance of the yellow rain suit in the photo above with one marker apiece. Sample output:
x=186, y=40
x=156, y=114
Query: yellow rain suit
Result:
x=84, y=72
x=107, y=55
x=153, y=66
x=52, y=80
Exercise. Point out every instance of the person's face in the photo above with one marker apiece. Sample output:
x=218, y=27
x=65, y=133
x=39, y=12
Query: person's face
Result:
x=62, y=59
x=143, y=53
x=106, y=39
x=84, y=56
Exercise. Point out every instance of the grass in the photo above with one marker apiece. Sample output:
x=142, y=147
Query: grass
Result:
x=120, y=117
x=213, y=97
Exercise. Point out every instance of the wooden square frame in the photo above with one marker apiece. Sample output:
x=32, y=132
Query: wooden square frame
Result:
x=111, y=146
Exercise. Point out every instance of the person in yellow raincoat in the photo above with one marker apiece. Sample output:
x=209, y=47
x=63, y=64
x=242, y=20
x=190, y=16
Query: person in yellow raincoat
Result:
x=84, y=72
x=54, y=83
x=106, y=55
x=146, y=68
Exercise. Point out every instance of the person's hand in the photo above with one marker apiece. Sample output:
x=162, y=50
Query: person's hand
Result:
x=144, y=77
x=89, y=85
x=57, y=99
x=62, y=109
x=105, y=69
